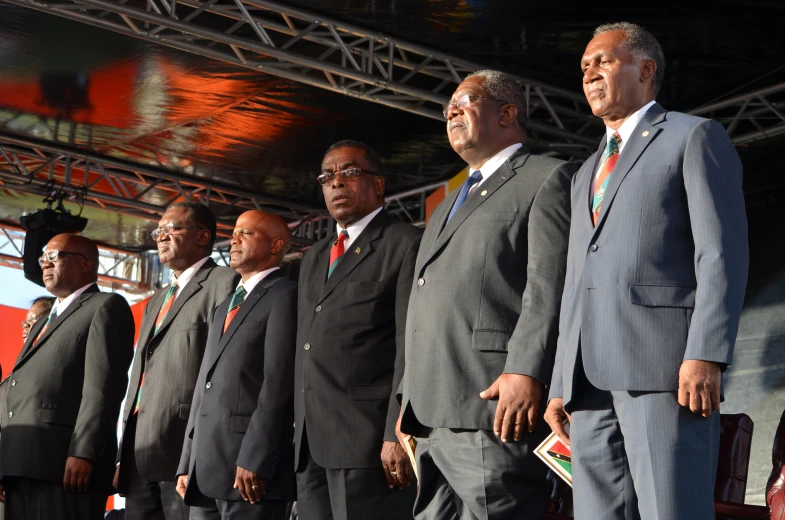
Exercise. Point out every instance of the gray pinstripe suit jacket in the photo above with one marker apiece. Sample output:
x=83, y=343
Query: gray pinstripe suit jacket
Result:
x=661, y=278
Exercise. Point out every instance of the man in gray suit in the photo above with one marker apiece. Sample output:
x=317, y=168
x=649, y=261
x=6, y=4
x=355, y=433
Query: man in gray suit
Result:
x=483, y=315
x=59, y=443
x=656, y=273
x=171, y=344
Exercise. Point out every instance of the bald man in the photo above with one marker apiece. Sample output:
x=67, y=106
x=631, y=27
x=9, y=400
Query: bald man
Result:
x=238, y=453
x=59, y=443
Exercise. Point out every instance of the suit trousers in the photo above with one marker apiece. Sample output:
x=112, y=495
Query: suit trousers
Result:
x=33, y=499
x=241, y=510
x=473, y=475
x=349, y=494
x=150, y=500
x=640, y=456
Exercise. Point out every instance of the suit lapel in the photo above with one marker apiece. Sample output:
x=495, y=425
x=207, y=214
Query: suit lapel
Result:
x=245, y=309
x=30, y=347
x=191, y=288
x=355, y=254
x=586, y=184
x=151, y=312
x=630, y=155
x=484, y=192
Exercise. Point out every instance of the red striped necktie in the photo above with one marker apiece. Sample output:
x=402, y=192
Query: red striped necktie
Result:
x=49, y=321
x=237, y=299
x=337, y=251
x=168, y=301
x=609, y=158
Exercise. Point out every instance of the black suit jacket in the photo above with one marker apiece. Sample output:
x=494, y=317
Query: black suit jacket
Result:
x=170, y=361
x=350, y=351
x=65, y=392
x=242, y=412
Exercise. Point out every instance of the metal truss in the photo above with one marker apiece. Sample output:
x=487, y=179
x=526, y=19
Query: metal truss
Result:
x=750, y=117
x=32, y=166
x=118, y=270
x=308, y=48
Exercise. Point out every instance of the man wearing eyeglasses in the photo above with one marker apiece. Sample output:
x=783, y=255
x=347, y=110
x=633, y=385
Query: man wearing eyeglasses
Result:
x=483, y=314
x=353, y=293
x=171, y=344
x=59, y=444
x=41, y=306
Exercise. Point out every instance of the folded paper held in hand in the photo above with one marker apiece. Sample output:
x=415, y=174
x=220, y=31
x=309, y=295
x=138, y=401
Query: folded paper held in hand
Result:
x=409, y=444
x=556, y=456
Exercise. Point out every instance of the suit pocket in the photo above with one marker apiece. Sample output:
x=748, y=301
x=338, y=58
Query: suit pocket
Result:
x=370, y=392
x=239, y=423
x=494, y=216
x=490, y=340
x=61, y=417
x=662, y=295
x=363, y=290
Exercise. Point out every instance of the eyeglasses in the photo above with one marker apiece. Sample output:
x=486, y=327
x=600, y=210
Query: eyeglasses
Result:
x=347, y=174
x=29, y=322
x=169, y=228
x=464, y=101
x=54, y=254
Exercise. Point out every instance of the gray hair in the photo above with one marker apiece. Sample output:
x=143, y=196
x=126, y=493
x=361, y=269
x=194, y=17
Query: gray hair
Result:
x=502, y=86
x=641, y=44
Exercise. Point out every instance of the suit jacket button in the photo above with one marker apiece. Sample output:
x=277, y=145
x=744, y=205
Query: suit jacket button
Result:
x=307, y=346
x=318, y=308
x=208, y=385
x=13, y=382
x=421, y=281
x=593, y=248
x=11, y=414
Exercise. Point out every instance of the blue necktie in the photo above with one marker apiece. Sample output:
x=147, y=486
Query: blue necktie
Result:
x=473, y=179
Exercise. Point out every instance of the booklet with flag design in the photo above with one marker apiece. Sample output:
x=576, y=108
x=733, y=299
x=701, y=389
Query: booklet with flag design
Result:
x=556, y=456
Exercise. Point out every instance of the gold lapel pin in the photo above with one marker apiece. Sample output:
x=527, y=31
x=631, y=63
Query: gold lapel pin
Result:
x=645, y=133
x=484, y=193
x=357, y=250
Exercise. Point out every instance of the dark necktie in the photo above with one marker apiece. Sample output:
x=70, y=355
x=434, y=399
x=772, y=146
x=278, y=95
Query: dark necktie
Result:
x=337, y=251
x=473, y=179
x=609, y=158
x=237, y=299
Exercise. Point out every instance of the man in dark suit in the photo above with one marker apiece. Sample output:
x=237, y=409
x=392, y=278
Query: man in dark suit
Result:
x=238, y=447
x=353, y=293
x=483, y=315
x=656, y=275
x=59, y=443
x=169, y=352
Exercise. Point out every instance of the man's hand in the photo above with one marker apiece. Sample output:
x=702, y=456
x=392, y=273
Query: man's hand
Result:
x=116, y=479
x=519, y=400
x=182, y=483
x=555, y=415
x=397, y=468
x=250, y=486
x=77, y=474
x=699, y=386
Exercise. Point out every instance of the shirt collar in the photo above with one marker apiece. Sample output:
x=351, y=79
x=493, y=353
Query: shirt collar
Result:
x=255, y=279
x=61, y=306
x=625, y=130
x=355, y=229
x=493, y=164
x=189, y=273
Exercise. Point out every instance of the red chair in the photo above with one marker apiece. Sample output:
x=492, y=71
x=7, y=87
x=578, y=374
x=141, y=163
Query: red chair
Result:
x=731, y=484
x=775, y=488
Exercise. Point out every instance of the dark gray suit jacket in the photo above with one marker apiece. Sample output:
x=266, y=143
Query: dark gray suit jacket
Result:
x=486, y=293
x=170, y=361
x=245, y=417
x=350, y=332
x=661, y=278
x=65, y=392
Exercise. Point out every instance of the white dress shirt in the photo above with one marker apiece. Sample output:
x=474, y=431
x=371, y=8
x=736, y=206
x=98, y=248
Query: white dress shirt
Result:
x=61, y=305
x=494, y=163
x=355, y=229
x=186, y=275
x=254, y=280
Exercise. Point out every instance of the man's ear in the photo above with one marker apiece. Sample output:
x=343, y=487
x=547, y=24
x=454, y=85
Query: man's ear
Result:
x=648, y=69
x=509, y=114
x=203, y=237
x=379, y=184
x=87, y=265
x=277, y=246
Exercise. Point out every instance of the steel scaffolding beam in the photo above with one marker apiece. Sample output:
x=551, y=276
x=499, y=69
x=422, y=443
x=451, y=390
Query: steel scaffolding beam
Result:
x=309, y=48
x=750, y=117
x=33, y=166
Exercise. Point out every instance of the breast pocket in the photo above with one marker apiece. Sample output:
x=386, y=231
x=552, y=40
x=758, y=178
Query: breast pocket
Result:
x=364, y=300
